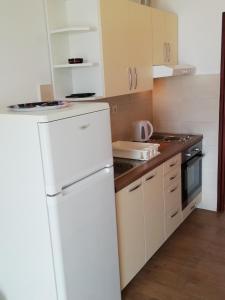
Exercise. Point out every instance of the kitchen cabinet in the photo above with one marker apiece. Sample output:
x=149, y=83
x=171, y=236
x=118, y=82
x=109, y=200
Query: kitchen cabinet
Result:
x=148, y=212
x=165, y=37
x=140, y=46
x=130, y=223
x=140, y=222
x=117, y=75
x=127, y=47
x=113, y=37
x=154, y=211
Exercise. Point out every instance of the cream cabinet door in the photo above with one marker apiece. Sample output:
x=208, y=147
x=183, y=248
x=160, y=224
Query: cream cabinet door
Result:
x=165, y=37
x=171, y=34
x=154, y=211
x=114, y=23
x=131, y=239
x=140, y=46
x=158, y=37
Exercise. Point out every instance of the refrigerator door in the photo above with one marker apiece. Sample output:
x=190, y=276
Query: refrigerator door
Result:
x=74, y=148
x=84, y=239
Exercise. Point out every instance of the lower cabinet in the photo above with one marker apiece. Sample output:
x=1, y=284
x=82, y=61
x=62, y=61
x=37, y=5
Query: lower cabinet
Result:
x=148, y=212
x=130, y=222
x=154, y=211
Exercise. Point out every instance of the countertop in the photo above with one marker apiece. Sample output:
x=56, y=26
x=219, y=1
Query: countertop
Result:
x=167, y=150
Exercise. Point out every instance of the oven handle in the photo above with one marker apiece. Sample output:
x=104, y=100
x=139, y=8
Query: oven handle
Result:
x=194, y=159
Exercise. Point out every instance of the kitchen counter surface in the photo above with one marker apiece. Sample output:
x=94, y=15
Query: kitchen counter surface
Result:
x=167, y=150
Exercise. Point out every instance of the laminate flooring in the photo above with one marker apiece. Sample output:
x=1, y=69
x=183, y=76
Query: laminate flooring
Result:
x=189, y=266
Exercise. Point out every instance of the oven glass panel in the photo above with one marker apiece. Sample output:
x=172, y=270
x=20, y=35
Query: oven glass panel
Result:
x=192, y=179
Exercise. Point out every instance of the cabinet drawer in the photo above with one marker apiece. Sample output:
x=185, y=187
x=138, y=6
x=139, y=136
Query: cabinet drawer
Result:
x=173, y=220
x=192, y=206
x=172, y=163
x=172, y=177
x=172, y=196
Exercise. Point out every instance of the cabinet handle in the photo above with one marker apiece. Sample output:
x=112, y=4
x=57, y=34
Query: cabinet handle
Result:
x=173, y=164
x=136, y=78
x=174, y=215
x=150, y=177
x=135, y=188
x=165, y=52
x=173, y=177
x=169, y=52
x=173, y=190
x=130, y=78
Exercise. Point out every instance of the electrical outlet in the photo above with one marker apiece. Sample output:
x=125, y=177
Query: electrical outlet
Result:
x=114, y=108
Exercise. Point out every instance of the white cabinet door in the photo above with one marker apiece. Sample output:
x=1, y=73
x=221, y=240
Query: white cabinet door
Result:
x=73, y=148
x=130, y=222
x=84, y=239
x=154, y=211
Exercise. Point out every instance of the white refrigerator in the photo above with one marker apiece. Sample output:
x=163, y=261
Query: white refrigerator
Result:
x=57, y=221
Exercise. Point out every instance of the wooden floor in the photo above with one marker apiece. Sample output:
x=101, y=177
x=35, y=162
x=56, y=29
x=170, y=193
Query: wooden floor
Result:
x=190, y=265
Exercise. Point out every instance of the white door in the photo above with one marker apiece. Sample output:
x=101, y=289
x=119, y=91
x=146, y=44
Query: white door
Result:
x=74, y=148
x=84, y=238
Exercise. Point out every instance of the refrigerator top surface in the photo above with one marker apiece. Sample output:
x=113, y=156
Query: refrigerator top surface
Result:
x=73, y=109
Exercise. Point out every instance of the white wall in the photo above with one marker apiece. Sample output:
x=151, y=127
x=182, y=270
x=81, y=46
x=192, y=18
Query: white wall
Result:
x=24, y=60
x=200, y=25
x=190, y=104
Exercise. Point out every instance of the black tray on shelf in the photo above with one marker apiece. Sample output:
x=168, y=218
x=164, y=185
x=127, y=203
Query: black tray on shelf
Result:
x=81, y=95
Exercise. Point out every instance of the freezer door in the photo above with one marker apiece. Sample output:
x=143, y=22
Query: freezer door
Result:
x=84, y=239
x=73, y=148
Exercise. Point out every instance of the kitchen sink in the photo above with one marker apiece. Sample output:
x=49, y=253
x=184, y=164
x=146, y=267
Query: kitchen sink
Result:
x=122, y=165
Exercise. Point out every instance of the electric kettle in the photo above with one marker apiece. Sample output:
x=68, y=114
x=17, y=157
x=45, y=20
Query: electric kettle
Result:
x=142, y=131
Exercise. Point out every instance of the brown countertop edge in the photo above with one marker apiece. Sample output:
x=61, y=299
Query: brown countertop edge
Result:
x=167, y=151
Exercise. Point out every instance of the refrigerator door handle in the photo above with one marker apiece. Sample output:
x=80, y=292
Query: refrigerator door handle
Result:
x=66, y=188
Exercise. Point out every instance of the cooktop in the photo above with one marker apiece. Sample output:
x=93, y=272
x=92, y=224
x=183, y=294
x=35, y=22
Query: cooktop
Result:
x=169, y=138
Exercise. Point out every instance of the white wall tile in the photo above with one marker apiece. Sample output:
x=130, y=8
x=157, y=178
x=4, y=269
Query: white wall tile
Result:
x=190, y=104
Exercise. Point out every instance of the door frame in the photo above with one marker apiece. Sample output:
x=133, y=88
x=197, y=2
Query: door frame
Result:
x=221, y=148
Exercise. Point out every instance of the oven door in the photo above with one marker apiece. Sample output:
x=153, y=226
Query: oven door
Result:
x=191, y=179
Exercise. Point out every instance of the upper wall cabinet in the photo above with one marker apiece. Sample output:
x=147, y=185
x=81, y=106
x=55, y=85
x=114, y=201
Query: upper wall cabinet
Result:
x=113, y=38
x=165, y=37
x=127, y=47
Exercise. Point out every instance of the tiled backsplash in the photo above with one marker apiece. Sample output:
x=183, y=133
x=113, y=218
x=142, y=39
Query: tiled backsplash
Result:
x=190, y=104
x=130, y=108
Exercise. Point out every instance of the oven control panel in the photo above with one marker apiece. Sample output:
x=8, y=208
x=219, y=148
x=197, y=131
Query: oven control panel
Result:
x=192, y=151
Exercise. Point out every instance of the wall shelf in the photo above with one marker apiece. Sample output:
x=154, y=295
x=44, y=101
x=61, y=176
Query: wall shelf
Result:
x=73, y=29
x=84, y=99
x=83, y=65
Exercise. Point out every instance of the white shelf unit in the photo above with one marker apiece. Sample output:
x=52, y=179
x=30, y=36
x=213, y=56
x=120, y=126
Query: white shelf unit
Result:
x=83, y=65
x=83, y=99
x=73, y=29
x=67, y=40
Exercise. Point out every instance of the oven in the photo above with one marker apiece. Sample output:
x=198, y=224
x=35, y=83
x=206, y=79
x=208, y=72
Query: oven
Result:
x=191, y=173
